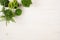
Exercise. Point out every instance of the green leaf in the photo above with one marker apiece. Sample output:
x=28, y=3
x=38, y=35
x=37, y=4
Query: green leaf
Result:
x=12, y=20
x=18, y=12
x=13, y=4
x=4, y=2
x=2, y=18
x=8, y=14
x=26, y=3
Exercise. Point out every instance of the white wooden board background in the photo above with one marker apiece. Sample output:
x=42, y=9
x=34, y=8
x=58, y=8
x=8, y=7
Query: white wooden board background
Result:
x=41, y=21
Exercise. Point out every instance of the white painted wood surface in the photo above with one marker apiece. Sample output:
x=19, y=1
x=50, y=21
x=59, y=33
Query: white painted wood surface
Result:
x=41, y=21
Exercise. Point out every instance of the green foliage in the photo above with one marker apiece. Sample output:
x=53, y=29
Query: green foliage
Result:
x=4, y=2
x=18, y=12
x=13, y=9
x=8, y=14
x=13, y=4
x=26, y=3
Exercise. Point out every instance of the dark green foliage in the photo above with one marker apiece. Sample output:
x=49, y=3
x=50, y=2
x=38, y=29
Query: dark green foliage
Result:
x=4, y=2
x=18, y=12
x=8, y=14
x=26, y=3
x=13, y=9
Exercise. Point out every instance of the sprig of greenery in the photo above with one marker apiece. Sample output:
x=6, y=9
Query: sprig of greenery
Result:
x=26, y=3
x=4, y=2
x=13, y=4
x=9, y=13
